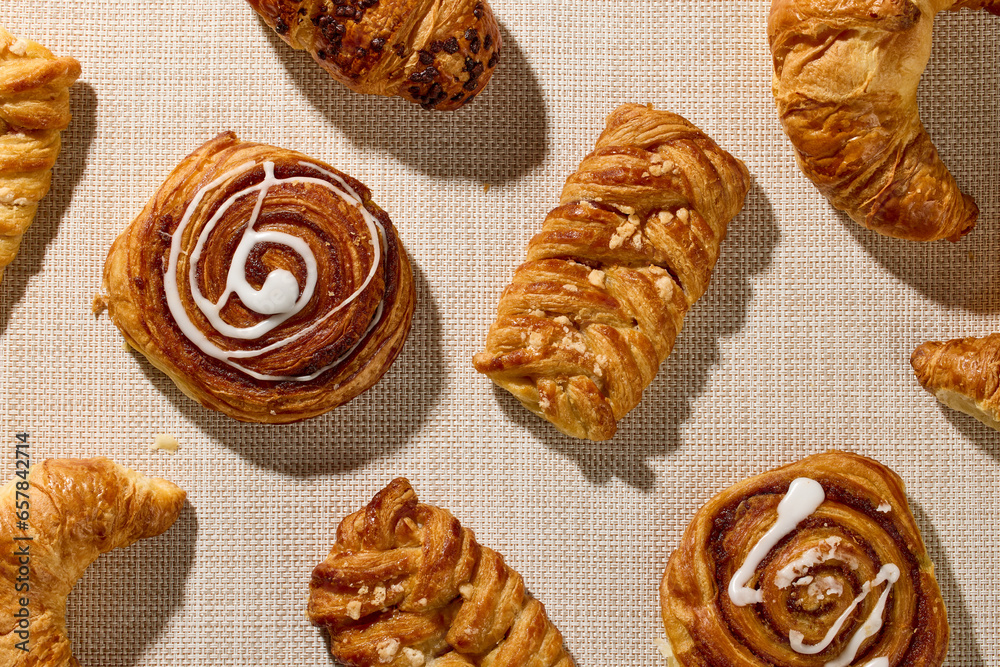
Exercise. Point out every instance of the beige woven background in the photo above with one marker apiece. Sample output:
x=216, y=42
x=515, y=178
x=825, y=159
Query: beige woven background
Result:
x=801, y=344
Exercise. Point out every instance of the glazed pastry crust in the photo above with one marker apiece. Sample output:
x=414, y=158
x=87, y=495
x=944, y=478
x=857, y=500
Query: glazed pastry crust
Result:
x=366, y=334
x=436, y=53
x=964, y=374
x=79, y=509
x=865, y=522
x=845, y=82
x=586, y=322
x=406, y=585
x=34, y=108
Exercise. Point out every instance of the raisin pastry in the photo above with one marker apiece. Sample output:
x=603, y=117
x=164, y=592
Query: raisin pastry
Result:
x=34, y=108
x=265, y=283
x=439, y=55
x=964, y=374
x=406, y=585
x=818, y=563
x=845, y=82
x=591, y=315
x=54, y=522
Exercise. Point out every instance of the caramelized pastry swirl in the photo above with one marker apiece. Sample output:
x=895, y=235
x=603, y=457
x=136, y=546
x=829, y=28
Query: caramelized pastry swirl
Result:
x=34, y=108
x=845, y=82
x=586, y=322
x=406, y=585
x=851, y=583
x=437, y=53
x=266, y=284
x=78, y=510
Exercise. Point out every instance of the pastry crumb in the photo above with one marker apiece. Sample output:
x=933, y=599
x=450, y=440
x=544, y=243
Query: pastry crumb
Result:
x=535, y=339
x=354, y=609
x=596, y=278
x=486, y=188
x=571, y=288
x=682, y=215
x=166, y=442
x=537, y=312
x=99, y=305
x=563, y=320
x=664, y=647
x=19, y=47
x=884, y=507
x=363, y=590
x=126, y=346
x=387, y=650
x=624, y=232
x=396, y=588
x=415, y=657
x=466, y=590
x=378, y=595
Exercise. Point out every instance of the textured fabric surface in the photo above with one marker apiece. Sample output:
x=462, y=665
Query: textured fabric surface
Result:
x=800, y=345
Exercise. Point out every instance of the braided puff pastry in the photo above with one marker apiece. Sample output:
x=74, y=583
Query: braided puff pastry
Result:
x=436, y=53
x=34, y=107
x=266, y=284
x=845, y=81
x=964, y=374
x=406, y=585
x=77, y=509
x=587, y=320
x=817, y=563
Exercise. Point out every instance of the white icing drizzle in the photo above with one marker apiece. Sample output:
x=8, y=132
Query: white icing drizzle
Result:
x=889, y=573
x=803, y=497
x=279, y=297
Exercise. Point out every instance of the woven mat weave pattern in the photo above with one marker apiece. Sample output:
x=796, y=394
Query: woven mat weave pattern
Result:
x=800, y=345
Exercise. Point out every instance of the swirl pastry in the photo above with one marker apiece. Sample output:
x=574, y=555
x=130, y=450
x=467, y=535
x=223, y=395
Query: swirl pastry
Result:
x=34, y=107
x=406, y=585
x=76, y=510
x=439, y=55
x=587, y=320
x=964, y=374
x=815, y=563
x=266, y=284
x=845, y=82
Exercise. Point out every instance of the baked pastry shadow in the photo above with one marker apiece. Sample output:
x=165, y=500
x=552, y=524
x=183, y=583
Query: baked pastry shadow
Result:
x=113, y=614
x=962, y=646
x=66, y=174
x=653, y=428
x=497, y=138
x=974, y=430
x=960, y=116
x=372, y=426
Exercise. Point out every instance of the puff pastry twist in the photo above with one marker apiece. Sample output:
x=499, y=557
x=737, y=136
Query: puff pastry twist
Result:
x=79, y=509
x=845, y=82
x=34, y=107
x=266, y=284
x=406, y=585
x=587, y=320
x=817, y=563
x=964, y=374
x=437, y=53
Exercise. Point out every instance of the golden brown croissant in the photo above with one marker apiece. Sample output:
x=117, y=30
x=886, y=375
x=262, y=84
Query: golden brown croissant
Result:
x=436, y=53
x=845, y=81
x=964, y=374
x=54, y=522
x=587, y=320
x=817, y=563
x=34, y=107
x=406, y=585
x=266, y=284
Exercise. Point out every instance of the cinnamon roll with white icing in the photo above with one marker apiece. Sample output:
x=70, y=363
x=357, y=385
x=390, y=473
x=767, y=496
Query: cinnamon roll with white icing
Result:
x=265, y=283
x=818, y=563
